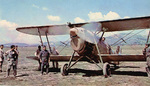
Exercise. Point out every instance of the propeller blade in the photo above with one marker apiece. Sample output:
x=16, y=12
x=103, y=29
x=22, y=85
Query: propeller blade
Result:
x=94, y=27
x=87, y=35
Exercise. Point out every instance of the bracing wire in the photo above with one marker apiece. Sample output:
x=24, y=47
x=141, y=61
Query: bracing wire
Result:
x=121, y=38
x=129, y=38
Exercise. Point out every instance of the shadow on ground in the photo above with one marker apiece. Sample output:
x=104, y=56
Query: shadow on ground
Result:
x=88, y=73
x=23, y=75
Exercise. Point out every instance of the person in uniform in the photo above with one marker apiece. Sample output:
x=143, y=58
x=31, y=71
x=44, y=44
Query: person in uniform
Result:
x=17, y=51
x=1, y=57
x=11, y=56
x=104, y=45
x=148, y=59
x=144, y=50
x=118, y=50
x=37, y=54
x=110, y=51
x=55, y=52
x=44, y=59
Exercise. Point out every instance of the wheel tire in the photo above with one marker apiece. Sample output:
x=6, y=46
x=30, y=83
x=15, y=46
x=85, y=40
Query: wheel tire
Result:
x=63, y=70
x=148, y=71
x=106, y=70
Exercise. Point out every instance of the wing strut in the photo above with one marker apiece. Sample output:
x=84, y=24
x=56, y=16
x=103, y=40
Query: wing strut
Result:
x=40, y=37
x=48, y=43
x=98, y=49
x=148, y=37
x=101, y=36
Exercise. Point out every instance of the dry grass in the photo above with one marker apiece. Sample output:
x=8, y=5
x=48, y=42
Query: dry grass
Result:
x=82, y=74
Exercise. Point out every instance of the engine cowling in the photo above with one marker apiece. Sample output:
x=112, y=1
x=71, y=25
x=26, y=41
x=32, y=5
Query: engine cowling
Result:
x=77, y=44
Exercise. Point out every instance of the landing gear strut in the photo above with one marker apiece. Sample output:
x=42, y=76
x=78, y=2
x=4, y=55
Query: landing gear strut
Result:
x=65, y=68
x=106, y=70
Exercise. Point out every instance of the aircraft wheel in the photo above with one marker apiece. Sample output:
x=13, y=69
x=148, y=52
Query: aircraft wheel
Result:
x=63, y=71
x=106, y=70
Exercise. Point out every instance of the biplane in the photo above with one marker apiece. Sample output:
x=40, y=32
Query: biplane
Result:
x=87, y=43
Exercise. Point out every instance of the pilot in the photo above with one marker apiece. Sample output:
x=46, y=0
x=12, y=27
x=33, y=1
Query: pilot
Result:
x=44, y=59
x=148, y=59
x=1, y=56
x=37, y=54
x=12, y=58
x=55, y=52
x=105, y=45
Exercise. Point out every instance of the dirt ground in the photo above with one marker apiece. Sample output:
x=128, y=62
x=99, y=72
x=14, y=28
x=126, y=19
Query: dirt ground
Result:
x=82, y=74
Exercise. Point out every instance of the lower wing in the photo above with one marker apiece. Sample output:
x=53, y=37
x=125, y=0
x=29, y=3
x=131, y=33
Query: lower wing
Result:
x=105, y=57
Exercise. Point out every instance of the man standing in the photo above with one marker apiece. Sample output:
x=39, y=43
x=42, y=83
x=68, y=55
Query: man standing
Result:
x=37, y=54
x=11, y=58
x=44, y=59
x=144, y=50
x=148, y=59
x=1, y=57
x=55, y=52
x=118, y=50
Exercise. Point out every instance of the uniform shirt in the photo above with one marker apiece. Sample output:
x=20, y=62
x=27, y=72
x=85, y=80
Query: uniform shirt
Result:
x=144, y=51
x=1, y=54
x=37, y=52
x=17, y=53
x=54, y=52
x=44, y=55
x=11, y=54
x=119, y=51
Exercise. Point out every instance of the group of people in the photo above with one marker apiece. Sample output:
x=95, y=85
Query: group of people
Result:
x=44, y=58
x=12, y=59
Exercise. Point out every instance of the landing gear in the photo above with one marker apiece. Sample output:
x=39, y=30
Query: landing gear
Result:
x=64, y=70
x=66, y=67
x=106, y=70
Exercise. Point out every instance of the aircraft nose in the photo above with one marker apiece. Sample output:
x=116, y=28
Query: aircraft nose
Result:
x=73, y=32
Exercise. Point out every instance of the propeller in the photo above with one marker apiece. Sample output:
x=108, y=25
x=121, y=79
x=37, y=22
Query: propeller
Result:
x=87, y=32
x=87, y=35
x=93, y=27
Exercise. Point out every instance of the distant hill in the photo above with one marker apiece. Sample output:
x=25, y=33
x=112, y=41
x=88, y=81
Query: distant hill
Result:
x=18, y=44
x=137, y=39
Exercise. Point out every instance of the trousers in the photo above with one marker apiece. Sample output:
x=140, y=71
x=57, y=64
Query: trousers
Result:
x=45, y=64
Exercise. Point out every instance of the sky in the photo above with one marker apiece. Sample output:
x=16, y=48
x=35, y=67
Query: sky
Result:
x=18, y=13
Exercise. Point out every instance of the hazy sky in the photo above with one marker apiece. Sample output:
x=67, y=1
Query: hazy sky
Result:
x=17, y=13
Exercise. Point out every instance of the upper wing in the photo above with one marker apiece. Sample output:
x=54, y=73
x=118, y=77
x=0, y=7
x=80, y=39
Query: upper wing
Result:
x=50, y=30
x=127, y=24
x=111, y=25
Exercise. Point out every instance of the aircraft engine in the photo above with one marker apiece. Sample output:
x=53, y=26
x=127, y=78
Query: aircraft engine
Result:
x=78, y=44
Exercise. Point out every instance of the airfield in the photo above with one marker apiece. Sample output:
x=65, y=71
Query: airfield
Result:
x=82, y=74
